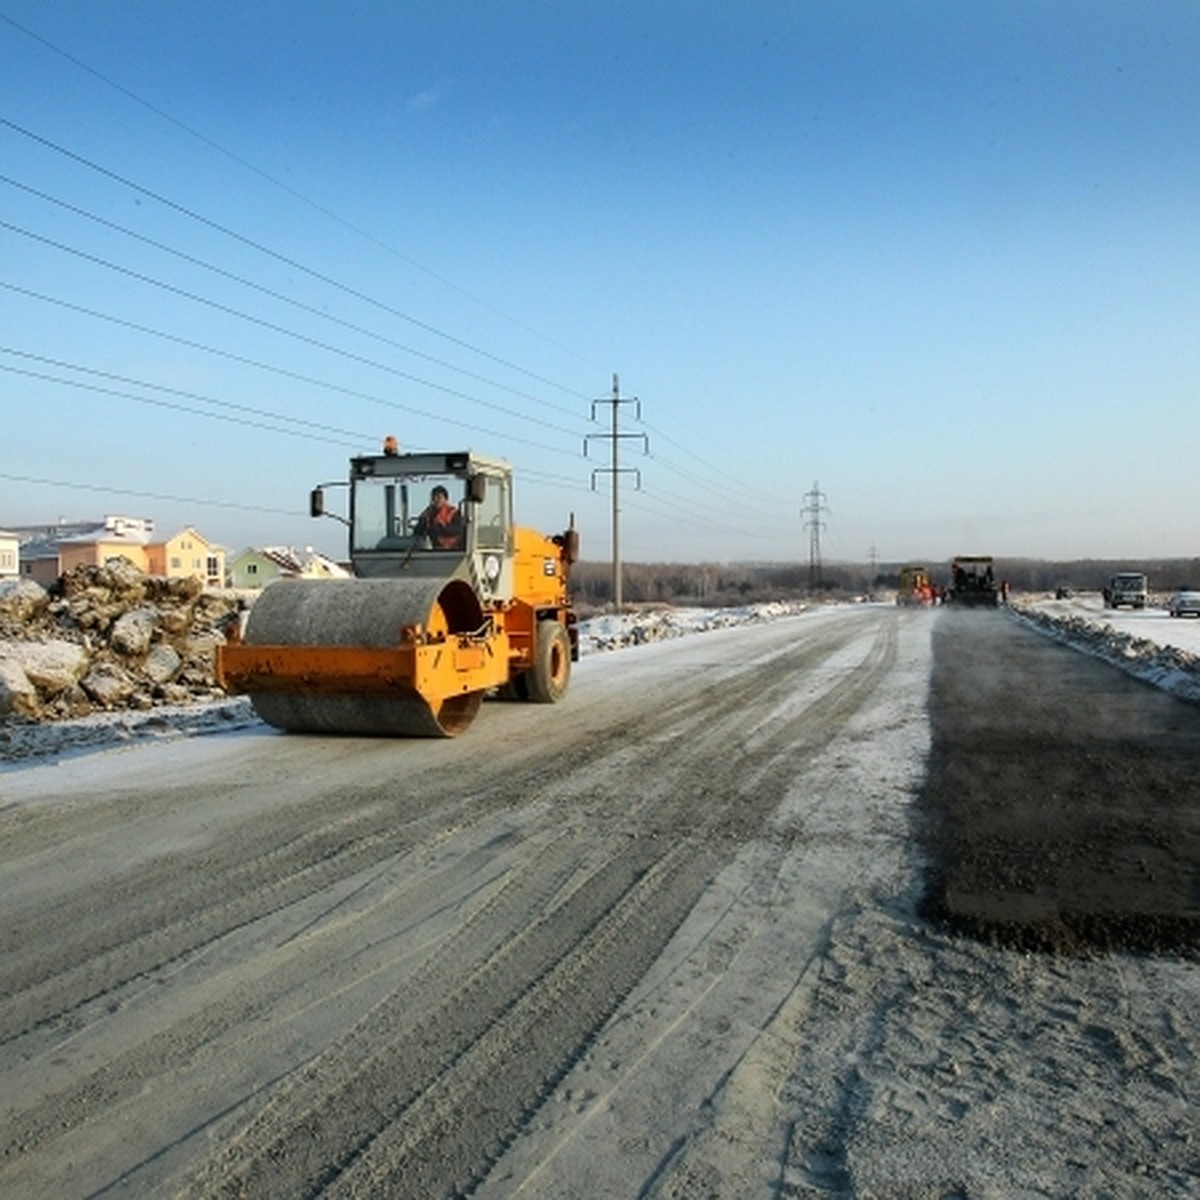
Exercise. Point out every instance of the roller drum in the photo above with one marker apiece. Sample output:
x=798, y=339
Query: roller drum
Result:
x=368, y=613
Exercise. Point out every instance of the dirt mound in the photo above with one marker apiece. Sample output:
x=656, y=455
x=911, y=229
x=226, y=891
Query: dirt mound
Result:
x=107, y=638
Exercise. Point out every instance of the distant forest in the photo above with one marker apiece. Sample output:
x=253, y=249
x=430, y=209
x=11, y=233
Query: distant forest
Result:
x=718, y=585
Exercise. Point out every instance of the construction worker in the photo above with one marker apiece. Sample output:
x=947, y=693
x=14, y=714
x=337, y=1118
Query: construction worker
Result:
x=441, y=522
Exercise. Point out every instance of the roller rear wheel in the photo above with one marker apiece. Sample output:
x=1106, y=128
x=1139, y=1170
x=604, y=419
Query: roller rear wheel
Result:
x=551, y=671
x=517, y=688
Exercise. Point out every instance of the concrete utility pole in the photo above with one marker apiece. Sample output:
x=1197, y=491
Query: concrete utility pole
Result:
x=615, y=470
x=811, y=513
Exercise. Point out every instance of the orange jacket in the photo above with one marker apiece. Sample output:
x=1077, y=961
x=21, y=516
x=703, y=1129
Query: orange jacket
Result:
x=443, y=523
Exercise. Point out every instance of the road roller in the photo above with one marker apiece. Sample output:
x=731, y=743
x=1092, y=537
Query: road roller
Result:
x=449, y=601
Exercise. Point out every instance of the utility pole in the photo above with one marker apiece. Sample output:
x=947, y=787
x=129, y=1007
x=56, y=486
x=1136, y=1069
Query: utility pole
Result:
x=615, y=470
x=873, y=559
x=811, y=513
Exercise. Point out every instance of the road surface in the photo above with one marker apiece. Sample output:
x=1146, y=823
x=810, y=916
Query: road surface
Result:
x=664, y=939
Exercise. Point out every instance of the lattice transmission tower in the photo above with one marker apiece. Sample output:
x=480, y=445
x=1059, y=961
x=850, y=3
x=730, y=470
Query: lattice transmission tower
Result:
x=814, y=507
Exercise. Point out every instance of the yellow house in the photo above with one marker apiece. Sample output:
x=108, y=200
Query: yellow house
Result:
x=187, y=555
x=118, y=537
x=49, y=553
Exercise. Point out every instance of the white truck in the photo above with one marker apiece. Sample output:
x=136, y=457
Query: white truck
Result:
x=1126, y=587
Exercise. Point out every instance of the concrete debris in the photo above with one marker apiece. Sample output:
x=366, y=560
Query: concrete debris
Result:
x=107, y=638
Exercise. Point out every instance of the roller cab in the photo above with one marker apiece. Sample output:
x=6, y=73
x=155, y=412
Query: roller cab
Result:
x=449, y=601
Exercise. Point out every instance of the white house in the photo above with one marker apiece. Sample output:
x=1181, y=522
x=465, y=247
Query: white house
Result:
x=10, y=550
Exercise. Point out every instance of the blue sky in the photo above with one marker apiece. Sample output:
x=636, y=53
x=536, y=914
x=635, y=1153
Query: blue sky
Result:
x=938, y=258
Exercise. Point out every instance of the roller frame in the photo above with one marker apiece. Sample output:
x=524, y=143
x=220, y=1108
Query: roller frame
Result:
x=432, y=670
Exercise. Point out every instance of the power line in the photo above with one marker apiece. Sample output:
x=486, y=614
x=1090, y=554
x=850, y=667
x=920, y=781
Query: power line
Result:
x=663, y=503
x=91, y=487
x=660, y=501
x=160, y=387
x=176, y=407
x=278, y=256
x=274, y=327
x=191, y=214
x=291, y=191
x=657, y=502
x=283, y=372
x=312, y=310
x=733, y=497
x=287, y=332
x=717, y=471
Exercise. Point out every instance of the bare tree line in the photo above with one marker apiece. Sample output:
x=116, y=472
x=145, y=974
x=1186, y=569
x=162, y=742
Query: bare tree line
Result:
x=719, y=585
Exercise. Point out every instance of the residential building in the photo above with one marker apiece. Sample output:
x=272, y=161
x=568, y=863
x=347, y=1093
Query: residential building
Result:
x=49, y=551
x=118, y=537
x=60, y=529
x=187, y=555
x=321, y=566
x=39, y=561
x=255, y=567
x=10, y=547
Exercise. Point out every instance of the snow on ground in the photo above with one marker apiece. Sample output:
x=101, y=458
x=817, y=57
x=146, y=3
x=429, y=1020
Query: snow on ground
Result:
x=613, y=632
x=1149, y=644
x=23, y=740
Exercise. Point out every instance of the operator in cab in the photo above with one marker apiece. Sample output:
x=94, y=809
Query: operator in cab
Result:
x=441, y=522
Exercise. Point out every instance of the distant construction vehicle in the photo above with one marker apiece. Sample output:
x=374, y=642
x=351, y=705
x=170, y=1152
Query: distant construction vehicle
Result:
x=973, y=582
x=443, y=608
x=915, y=587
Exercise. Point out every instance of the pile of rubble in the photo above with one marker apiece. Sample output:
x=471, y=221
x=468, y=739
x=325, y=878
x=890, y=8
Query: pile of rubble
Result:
x=107, y=638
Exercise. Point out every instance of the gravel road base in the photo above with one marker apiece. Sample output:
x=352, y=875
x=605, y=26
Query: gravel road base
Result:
x=663, y=945
x=1062, y=800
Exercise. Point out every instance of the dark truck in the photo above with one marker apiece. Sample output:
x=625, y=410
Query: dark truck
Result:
x=973, y=582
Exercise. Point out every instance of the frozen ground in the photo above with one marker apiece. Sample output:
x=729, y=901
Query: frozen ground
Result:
x=867, y=1054
x=1149, y=644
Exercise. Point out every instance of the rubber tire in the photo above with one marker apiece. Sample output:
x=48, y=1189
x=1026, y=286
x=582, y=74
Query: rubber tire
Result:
x=551, y=671
x=517, y=688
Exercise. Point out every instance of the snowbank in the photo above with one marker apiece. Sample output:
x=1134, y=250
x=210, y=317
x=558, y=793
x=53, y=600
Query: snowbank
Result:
x=1148, y=644
x=613, y=632
x=22, y=739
